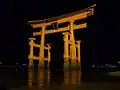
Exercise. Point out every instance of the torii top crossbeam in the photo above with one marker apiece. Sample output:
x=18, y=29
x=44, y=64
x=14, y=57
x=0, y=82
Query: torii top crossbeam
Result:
x=62, y=16
x=78, y=15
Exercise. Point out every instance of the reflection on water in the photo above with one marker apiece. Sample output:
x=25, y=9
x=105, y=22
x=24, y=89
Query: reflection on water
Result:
x=30, y=78
x=38, y=78
x=43, y=78
x=72, y=77
x=46, y=78
x=22, y=79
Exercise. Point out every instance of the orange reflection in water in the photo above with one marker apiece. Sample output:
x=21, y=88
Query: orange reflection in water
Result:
x=41, y=78
x=72, y=77
x=30, y=78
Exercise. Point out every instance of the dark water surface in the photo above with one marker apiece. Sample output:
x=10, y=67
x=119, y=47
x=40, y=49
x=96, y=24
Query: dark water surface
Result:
x=39, y=79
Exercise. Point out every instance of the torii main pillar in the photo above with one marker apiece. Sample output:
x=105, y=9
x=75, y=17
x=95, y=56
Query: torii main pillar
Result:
x=41, y=53
x=72, y=46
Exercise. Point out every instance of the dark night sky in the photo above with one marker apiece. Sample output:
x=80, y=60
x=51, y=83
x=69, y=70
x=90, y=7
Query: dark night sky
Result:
x=103, y=33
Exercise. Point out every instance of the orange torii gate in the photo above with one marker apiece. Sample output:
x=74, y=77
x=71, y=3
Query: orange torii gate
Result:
x=68, y=35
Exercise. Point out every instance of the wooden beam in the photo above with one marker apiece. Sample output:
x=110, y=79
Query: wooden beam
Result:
x=63, y=18
x=67, y=19
x=36, y=58
x=61, y=29
x=45, y=58
x=37, y=45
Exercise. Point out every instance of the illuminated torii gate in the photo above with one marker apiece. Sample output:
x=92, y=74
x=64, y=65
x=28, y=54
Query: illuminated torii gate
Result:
x=68, y=33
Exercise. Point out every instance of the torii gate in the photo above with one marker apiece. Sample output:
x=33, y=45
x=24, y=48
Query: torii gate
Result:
x=68, y=36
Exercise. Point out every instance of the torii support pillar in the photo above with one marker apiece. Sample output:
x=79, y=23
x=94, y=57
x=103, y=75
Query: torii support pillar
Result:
x=49, y=54
x=31, y=43
x=66, y=52
x=41, y=54
x=79, y=55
